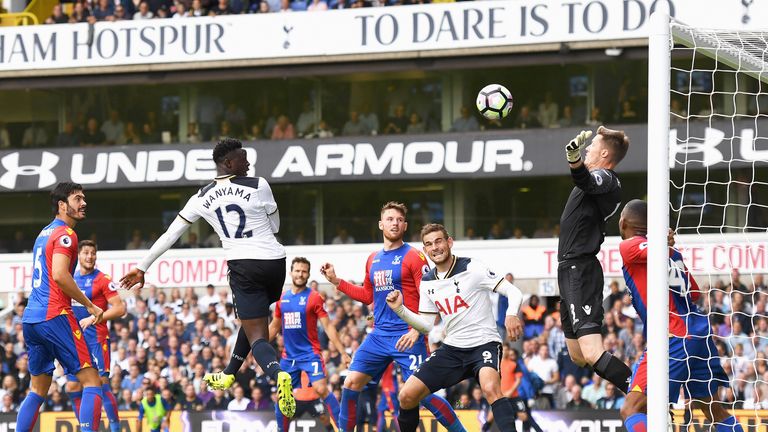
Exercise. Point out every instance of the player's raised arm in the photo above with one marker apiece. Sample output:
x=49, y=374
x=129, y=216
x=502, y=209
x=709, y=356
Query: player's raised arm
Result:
x=161, y=245
x=362, y=294
x=422, y=322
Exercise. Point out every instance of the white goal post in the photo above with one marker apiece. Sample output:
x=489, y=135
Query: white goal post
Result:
x=739, y=58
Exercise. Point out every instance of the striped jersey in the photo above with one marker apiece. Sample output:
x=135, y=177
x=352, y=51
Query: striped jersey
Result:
x=99, y=288
x=299, y=314
x=685, y=319
x=47, y=300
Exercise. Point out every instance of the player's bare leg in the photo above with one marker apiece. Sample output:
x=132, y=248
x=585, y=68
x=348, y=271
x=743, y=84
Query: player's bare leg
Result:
x=590, y=352
x=503, y=411
x=413, y=391
x=329, y=400
x=718, y=415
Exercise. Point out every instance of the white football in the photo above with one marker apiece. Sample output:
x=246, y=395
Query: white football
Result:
x=494, y=101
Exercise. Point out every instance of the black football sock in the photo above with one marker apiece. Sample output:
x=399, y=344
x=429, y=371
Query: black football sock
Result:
x=408, y=419
x=614, y=370
x=239, y=353
x=266, y=357
x=504, y=414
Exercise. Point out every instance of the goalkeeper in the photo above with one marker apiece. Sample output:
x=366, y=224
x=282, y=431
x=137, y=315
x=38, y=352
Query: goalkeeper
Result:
x=693, y=358
x=594, y=199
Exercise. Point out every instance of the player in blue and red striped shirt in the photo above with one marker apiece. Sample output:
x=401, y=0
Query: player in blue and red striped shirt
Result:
x=296, y=316
x=50, y=328
x=694, y=363
x=398, y=266
x=102, y=291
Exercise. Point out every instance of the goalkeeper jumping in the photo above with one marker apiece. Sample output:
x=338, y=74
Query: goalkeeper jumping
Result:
x=594, y=199
x=693, y=360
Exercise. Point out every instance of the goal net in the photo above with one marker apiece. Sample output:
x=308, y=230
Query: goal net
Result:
x=708, y=180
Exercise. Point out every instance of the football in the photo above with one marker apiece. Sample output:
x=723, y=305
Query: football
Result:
x=494, y=101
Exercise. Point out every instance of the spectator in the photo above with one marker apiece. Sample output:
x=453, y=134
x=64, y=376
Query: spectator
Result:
x=193, y=137
x=546, y=367
x=464, y=402
x=466, y=122
x=197, y=9
x=322, y=131
x=8, y=405
x=612, y=399
x=544, y=230
x=627, y=114
x=130, y=136
x=34, y=136
x=736, y=285
x=222, y=8
x=136, y=242
x=255, y=133
x=677, y=113
x=80, y=12
x=398, y=123
x=5, y=140
x=149, y=135
x=343, y=237
x=369, y=118
x=263, y=7
x=259, y=402
x=283, y=129
x=305, y=124
x=533, y=317
x=567, y=119
x=317, y=5
x=594, y=390
x=240, y=402
x=113, y=129
x=104, y=10
x=595, y=117
x=225, y=131
x=219, y=402
x=577, y=402
x=190, y=402
x=548, y=111
x=415, y=125
x=67, y=137
x=355, y=126
x=135, y=379
x=181, y=11
x=209, y=109
x=192, y=242
x=57, y=16
x=143, y=12
x=120, y=13
x=526, y=120
x=92, y=136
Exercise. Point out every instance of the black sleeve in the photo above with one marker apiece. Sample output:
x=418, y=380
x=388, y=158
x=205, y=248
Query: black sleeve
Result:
x=596, y=182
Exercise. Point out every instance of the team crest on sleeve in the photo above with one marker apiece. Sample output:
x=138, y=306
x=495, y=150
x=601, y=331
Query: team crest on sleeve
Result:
x=65, y=241
x=424, y=269
x=112, y=286
x=490, y=274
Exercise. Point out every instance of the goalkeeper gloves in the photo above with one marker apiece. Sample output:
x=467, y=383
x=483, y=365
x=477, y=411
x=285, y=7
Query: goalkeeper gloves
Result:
x=577, y=144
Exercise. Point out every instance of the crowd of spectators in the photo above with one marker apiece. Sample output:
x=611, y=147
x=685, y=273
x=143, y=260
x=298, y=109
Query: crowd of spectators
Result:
x=170, y=338
x=92, y=11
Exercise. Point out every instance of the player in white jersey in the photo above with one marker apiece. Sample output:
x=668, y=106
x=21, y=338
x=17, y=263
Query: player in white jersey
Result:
x=244, y=214
x=459, y=291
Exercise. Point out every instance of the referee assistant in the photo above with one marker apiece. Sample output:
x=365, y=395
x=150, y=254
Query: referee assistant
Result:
x=594, y=199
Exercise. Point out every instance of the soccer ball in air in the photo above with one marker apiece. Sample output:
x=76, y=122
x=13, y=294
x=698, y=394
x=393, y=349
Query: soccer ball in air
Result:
x=494, y=101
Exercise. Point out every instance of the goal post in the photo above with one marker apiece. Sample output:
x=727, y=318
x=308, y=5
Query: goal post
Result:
x=659, y=64
x=707, y=175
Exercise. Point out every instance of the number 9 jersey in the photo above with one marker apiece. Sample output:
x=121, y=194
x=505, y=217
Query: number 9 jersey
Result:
x=243, y=212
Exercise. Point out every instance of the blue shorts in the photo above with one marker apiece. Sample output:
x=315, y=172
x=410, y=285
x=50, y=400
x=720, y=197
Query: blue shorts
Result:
x=314, y=367
x=378, y=351
x=694, y=364
x=58, y=338
x=100, y=354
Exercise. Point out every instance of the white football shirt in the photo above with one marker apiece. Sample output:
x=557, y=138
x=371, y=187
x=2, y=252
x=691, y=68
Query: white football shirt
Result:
x=462, y=297
x=238, y=209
